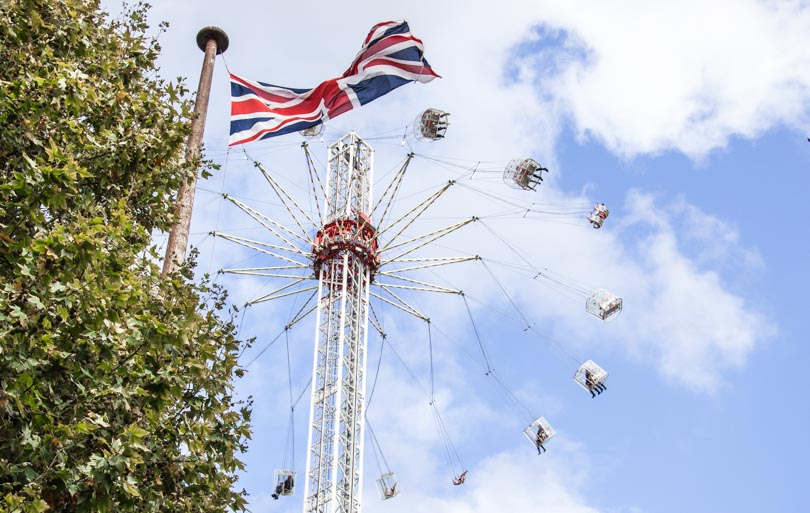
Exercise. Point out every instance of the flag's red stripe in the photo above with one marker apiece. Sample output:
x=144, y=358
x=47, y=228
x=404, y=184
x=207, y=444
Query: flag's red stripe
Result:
x=373, y=30
x=272, y=108
x=415, y=69
x=262, y=93
x=338, y=104
x=275, y=128
x=327, y=91
x=377, y=48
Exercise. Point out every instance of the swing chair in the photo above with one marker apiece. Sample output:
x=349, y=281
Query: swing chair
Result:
x=285, y=483
x=603, y=305
x=431, y=125
x=591, y=377
x=539, y=432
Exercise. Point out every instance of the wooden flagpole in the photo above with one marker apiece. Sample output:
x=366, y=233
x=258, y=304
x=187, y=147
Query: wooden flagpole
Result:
x=213, y=41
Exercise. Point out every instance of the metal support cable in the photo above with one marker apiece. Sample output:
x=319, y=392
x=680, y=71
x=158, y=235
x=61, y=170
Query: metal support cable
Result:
x=376, y=325
x=473, y=169
x=245, y=241
x=517, y=404
x=289, y=446
x=239, y=331
x=417, y=282
x=395, y=183
x=511, y=248
x=279, y=289
x=453, y=458
x=567, y=290
x=556, y=343
x=257, y=247
x=264, y=274
x=378, y=449
x=451, y=453
x=561, y=210
x=432, y=380
x=570, y=282
x=303, y=391
x=265, y=268
x=278, y=188
x=300, y=314
x=405, y=307
x=472, y=356
x=441, y=290
x=376, y=373
x=503, y=289
x=289, y=326
x=379, y=325
x=531, y=266
x=268, y=346
x=442, y=232
x=268, y=297
x=219, y=210
x=417, y=211
x=481, y=345
x=282, y=194
x=289, y=365
x=446, y=443
x=429, y=262
x=292, y=404
x=374, y=448
x=268, y=223
x=407, y=369
x=313, y=175
x=390, y=246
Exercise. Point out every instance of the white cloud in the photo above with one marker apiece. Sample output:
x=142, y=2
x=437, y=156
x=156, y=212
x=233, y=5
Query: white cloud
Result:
x=508, y=481
x=511, y=478
x=676, y=268
x=691, y=325
x=646, y=77
x=717, y=241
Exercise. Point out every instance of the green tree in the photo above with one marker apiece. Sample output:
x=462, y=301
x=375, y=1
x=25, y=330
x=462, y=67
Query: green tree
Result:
x=116, y=389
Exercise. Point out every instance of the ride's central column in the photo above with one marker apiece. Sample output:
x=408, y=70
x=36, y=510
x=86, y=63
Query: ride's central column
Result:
x=345, y=257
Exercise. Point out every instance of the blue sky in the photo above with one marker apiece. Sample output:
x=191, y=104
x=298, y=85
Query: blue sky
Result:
x=689, y=121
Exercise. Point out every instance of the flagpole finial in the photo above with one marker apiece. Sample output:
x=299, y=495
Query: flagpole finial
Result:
x=215, y=33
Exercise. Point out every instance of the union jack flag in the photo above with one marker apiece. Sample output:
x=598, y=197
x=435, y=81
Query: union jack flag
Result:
x=390, y=57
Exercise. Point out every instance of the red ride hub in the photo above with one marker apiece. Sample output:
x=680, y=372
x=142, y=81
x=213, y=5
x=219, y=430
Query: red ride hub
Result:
x=357, y=237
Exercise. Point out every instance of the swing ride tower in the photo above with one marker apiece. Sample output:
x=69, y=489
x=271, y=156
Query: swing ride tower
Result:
x=354, y=258
x=345, y=258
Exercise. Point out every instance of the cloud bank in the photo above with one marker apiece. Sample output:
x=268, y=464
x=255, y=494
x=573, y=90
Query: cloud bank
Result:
x=644, y=78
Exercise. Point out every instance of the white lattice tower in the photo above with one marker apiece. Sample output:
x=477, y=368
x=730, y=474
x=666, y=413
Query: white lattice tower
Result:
x=344, y=256
x=345, y=259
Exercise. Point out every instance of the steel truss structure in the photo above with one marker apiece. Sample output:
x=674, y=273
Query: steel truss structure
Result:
x=344, y=259
x=347, y=258
x=356, y=250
